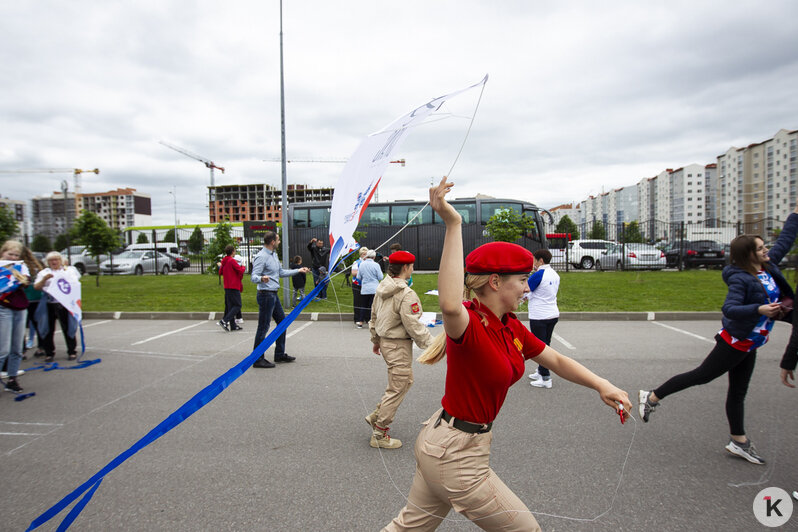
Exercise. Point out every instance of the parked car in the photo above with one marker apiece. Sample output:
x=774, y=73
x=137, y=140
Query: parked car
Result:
x=136, y=263
x=178, y=263
x=81, y=260
x=637, y=257
x=695, y=253
x=583, y=253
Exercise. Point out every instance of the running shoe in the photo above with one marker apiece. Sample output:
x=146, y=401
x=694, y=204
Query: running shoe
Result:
x=13, y=386
x=541, y=383
x=745, y=450
x=645, y=406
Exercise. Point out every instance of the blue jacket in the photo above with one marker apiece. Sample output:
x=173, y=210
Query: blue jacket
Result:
x=746, y=294
x=369, y=274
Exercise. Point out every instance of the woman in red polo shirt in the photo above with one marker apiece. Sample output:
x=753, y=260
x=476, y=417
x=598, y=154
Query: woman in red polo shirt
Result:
x=485, y=347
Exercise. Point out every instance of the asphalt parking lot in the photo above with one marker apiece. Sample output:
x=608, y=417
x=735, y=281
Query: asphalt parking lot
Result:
x=287, y=448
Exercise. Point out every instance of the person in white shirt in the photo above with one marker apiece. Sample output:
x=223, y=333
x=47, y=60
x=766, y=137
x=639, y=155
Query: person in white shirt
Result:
x=56, y=263
x=543, y=310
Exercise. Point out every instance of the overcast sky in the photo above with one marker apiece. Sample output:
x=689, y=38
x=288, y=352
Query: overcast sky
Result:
x=582, y=96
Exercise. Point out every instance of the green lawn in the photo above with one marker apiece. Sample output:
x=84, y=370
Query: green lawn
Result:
x=579, y=291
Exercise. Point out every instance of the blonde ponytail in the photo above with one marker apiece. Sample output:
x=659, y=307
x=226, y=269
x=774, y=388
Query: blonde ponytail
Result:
x=435, y=352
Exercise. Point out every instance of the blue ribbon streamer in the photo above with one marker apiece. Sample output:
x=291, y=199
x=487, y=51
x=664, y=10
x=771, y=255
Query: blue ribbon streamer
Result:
x=199, y=400
x=54, y=365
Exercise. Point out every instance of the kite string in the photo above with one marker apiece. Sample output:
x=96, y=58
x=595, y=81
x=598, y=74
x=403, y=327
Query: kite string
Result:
x=451, y=169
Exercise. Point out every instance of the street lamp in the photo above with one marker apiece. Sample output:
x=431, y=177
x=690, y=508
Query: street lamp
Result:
x=173, y=192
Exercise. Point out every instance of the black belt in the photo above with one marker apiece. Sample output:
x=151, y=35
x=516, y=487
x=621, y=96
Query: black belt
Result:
x=466, y=426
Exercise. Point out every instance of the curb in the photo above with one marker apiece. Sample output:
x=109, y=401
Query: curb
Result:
x=335, y=316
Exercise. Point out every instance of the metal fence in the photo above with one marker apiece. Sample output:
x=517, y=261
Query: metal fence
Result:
x=664, y=235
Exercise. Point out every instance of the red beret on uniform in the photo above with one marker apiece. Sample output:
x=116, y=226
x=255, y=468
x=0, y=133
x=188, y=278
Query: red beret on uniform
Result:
x=499, y=257
x=401, y=257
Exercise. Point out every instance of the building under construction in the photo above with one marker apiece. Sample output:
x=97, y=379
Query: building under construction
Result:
x=241, y=203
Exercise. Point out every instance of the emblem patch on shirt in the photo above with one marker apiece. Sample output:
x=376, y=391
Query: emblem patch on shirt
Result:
x=415, y=308
x=518, y=344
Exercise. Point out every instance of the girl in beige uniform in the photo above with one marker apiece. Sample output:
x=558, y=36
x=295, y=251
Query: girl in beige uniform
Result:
x=394, y=325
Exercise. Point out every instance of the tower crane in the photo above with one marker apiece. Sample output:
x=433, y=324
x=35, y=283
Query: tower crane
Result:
x=208, y=163
x=76, y=172
x=330, y=160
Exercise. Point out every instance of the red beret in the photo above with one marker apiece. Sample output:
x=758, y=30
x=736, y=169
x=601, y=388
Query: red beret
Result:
x=401, y=257
x=499, y=257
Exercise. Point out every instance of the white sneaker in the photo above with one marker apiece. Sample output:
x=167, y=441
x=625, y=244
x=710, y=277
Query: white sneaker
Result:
x=239, y=321
x=535, y=376
x=746, y=451
x=541, y=383
x=4, y=374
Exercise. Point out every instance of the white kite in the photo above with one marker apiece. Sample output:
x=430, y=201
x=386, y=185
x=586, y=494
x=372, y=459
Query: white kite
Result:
x=363, y=172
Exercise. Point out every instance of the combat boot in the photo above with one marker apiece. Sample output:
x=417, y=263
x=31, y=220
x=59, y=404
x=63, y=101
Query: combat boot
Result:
x=380, y=439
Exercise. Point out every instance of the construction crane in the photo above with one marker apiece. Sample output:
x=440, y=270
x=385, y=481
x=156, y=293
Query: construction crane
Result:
x=330, y=160
x=76, y=172
x=206, y=162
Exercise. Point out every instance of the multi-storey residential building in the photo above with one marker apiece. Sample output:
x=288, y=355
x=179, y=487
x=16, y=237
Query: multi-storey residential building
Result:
x=239, y=203
x=687, y=194
x=17, y=207
x=561, y=211
x=627, y=205
x=120, y=208
x=758, y=182
x=711, y=193
x=52, y=215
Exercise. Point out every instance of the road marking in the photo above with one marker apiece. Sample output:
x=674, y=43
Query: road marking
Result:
x=21, y=434
x=167, y=334
x=155, y=354
x=96, y=323
x=292, y=333
x=688, y=333
x=562, y=341
x=31, y=423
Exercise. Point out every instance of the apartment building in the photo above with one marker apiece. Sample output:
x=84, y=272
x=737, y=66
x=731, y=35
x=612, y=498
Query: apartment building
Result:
x=560, y=211
x=18, y=209
x=52, y=215
x=120, y=208
x=239, y=203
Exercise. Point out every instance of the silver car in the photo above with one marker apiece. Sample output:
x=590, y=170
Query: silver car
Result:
x=633, y=257
x=81, y=260
x=136, y=263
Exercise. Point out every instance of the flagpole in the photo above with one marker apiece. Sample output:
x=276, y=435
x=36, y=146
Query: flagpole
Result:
x=284, y=216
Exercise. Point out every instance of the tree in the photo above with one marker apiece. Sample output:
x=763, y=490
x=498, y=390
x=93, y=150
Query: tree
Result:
x=142, y=239
x=222, y=237
x=91, y=231
x=169, y=236
x=61, y=242
x=631, y=233
x=196, y=241
x=8, y=224
x=597, y=232
x=508, y=225
x=566, y=225
x=41, y=243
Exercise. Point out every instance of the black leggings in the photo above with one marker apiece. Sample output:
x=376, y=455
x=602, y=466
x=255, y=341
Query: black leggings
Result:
x=722, y=359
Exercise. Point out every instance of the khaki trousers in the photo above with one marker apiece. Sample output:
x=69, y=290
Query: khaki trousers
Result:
x=398, y=355
x=453, y=471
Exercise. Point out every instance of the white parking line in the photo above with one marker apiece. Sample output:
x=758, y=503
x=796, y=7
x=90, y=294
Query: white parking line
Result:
x=292, y=333
x=167, y=333
x=96, y=323
x=562, y=341
x=21, y=434
x=688, y=333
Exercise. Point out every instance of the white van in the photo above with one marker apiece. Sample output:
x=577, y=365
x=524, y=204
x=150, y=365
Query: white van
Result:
x=163, y=247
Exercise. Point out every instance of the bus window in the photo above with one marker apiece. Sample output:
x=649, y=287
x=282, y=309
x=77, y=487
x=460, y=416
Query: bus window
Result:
x=375, y=215
x=300, y=218
x=401, y=214
x=467, y=210
x=319, y=217
x=490, y=208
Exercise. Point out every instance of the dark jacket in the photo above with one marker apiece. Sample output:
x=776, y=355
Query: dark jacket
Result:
x=298, y=281
x=319, y=255
x=746, y=293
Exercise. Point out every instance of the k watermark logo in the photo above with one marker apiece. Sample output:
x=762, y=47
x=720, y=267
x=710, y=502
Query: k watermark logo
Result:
x=772, y=507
